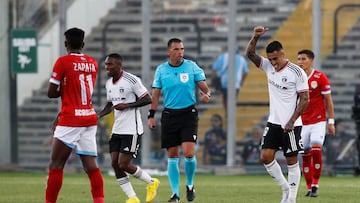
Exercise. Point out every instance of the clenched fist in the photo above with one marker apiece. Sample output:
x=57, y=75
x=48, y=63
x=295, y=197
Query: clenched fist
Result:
x=259, y=30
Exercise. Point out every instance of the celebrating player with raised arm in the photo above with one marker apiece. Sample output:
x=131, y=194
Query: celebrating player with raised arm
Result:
x=289, y=96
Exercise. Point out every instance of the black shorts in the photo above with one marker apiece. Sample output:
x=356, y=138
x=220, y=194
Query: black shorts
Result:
x=178, y=126
x=275, y=138
x=126, y=144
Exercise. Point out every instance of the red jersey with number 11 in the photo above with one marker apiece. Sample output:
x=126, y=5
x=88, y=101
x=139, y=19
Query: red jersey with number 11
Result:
x=319, y=85
x=76, y=76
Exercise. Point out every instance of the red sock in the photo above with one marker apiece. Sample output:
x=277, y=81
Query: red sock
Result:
x=307, y=169
x=54, y=184
x=97, y=185
x=316, y=154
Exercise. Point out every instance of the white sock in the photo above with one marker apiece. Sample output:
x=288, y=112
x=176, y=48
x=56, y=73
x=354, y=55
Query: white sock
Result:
x=285, y=196
x=275, y=172
x=142, y=175
x=126, y=186
x=294, y=175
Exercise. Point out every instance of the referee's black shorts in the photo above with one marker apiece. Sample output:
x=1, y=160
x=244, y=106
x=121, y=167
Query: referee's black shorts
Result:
x=276, y=138
x=178, y=126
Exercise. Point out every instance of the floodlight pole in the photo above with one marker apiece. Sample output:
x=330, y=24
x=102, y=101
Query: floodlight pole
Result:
x=231, y=101
x=316, y=33
x=145, y=76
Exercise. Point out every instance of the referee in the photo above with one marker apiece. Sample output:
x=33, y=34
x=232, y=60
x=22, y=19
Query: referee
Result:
x=177, y=79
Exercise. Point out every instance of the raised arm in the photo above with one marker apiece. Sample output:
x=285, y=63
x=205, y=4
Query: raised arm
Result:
x=250, y=50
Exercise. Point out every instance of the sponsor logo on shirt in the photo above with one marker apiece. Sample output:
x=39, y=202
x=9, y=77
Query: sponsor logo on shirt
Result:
x=84, y=112
x=277, y=85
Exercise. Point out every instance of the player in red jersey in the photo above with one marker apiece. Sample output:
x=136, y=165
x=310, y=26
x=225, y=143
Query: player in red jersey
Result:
x=314, y=121
x=73, y=79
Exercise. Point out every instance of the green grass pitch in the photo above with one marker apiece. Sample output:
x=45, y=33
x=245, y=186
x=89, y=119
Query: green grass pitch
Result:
x=30, y=187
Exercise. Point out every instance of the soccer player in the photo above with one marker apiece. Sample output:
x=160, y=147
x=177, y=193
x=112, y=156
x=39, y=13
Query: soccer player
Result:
x=177, y=79
x=288, y=96
x=314, y=121
x=73, y=79
x=125, y=95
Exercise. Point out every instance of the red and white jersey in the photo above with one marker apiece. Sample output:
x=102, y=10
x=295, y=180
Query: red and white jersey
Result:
x=319, y=85
x=76, y=76
x=284, y=86
x=127, y=89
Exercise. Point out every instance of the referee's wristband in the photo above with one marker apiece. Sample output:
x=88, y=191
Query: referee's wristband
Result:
x=331, y=121
x=151, y=113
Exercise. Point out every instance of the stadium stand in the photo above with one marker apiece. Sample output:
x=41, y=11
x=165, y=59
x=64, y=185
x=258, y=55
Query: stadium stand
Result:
x=124, y=36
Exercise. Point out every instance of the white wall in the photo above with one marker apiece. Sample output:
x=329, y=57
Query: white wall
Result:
x=84, y=14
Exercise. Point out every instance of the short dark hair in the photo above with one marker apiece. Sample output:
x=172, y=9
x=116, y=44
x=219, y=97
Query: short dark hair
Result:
x=274, y=46
x=310, y=54
x=74, y=37
x=116, y=56
x=173, y=40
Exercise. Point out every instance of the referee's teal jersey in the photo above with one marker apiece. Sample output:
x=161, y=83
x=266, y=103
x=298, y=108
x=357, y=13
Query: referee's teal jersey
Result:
x=178, y=83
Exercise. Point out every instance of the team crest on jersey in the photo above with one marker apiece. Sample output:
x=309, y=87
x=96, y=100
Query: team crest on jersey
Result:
x=314, y=84
x=284, y=79
x=121, y=90
x=184, y=77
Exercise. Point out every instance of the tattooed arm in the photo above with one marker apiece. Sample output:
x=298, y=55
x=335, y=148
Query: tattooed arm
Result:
x=250, y=50
x=303, y=103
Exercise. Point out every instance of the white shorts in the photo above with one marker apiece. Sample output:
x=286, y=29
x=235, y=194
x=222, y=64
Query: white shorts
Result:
x=313, y=134
x=83, y=139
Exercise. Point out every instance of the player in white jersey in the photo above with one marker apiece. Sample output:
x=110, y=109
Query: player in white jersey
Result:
x=125, y=95
x=289, y=96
